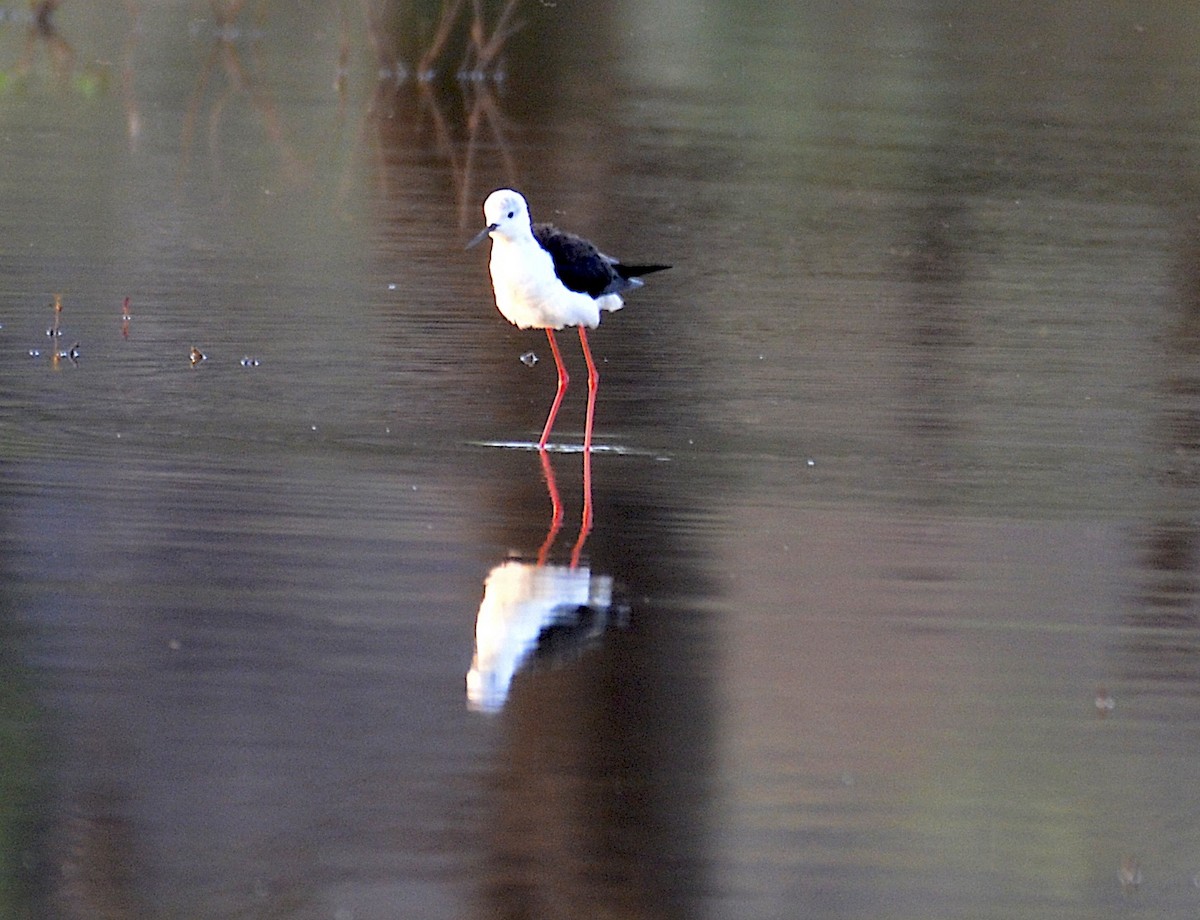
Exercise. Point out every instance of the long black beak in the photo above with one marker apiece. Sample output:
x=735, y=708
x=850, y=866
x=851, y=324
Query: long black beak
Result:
x=480, y=235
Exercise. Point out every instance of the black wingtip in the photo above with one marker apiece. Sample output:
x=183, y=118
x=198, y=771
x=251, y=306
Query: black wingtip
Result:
x=636, y=271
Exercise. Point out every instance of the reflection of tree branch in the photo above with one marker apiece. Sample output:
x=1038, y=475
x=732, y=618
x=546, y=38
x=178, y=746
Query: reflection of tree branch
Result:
x=387, y=57
x=226, y=13
x=133, y=116
x=193, y=109
x=482, y=46
x=441, y=128
x=441, y=35
x=273, y=123
x=388, y=109
x=42, y=11
x=343, y=63
x=43, y=32
x=487, y=49
x=99, y=858
x=483, y=110
x=238, y=81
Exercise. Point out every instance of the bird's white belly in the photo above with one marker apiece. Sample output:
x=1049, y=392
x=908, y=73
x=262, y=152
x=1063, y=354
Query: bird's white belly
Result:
x=530, y=296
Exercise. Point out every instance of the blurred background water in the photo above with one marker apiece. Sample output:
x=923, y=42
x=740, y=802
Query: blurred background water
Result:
x=889, y=608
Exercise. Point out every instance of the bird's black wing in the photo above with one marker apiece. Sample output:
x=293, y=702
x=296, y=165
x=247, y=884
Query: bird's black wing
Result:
x=580, y=266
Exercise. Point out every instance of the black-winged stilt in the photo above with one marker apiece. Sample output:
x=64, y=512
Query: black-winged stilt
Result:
x=545, y=278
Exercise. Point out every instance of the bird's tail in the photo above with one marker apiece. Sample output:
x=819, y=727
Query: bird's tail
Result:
x=627, y=277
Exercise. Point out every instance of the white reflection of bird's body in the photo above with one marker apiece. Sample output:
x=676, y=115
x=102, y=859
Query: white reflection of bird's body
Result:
x=522, y=603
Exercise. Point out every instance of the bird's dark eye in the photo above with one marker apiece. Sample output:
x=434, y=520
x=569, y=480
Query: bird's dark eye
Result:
x=512, y=214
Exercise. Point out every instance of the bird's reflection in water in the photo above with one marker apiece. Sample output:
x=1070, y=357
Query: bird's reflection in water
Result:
x=539, y=613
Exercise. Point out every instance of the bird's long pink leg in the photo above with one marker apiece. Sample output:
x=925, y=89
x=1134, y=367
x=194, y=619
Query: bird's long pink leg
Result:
x=556, y=512
x=585, y=525
x=563, y=380
x=593, y=384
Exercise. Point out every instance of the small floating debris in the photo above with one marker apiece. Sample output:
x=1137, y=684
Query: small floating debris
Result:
x=250, y=362
x=529, y=359
x=197, y=356
x=54, y=331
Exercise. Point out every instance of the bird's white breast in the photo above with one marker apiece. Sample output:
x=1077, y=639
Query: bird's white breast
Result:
x=529, y=294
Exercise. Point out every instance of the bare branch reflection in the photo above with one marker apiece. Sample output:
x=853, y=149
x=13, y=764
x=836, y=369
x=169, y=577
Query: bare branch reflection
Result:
x=463, y=116
x=225, y=58
x=44, y=33
x=99, y=860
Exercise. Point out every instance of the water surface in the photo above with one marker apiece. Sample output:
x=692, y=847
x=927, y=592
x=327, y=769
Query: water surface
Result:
x=893, y=567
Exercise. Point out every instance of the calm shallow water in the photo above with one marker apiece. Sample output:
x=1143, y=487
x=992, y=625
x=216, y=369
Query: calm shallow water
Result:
x=897, y=496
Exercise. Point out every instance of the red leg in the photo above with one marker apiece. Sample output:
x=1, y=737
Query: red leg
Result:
x=593, y=384
x=585, y=525
x=556, y=513
x=563, y=380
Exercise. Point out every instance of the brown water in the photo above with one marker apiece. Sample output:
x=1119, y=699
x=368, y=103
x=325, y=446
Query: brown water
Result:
x=896, y=544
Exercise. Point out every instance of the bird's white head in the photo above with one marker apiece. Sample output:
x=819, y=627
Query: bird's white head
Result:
x=507, y=217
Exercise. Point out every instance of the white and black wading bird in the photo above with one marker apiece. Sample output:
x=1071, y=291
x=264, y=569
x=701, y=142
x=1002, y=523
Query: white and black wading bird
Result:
x=545, y=278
